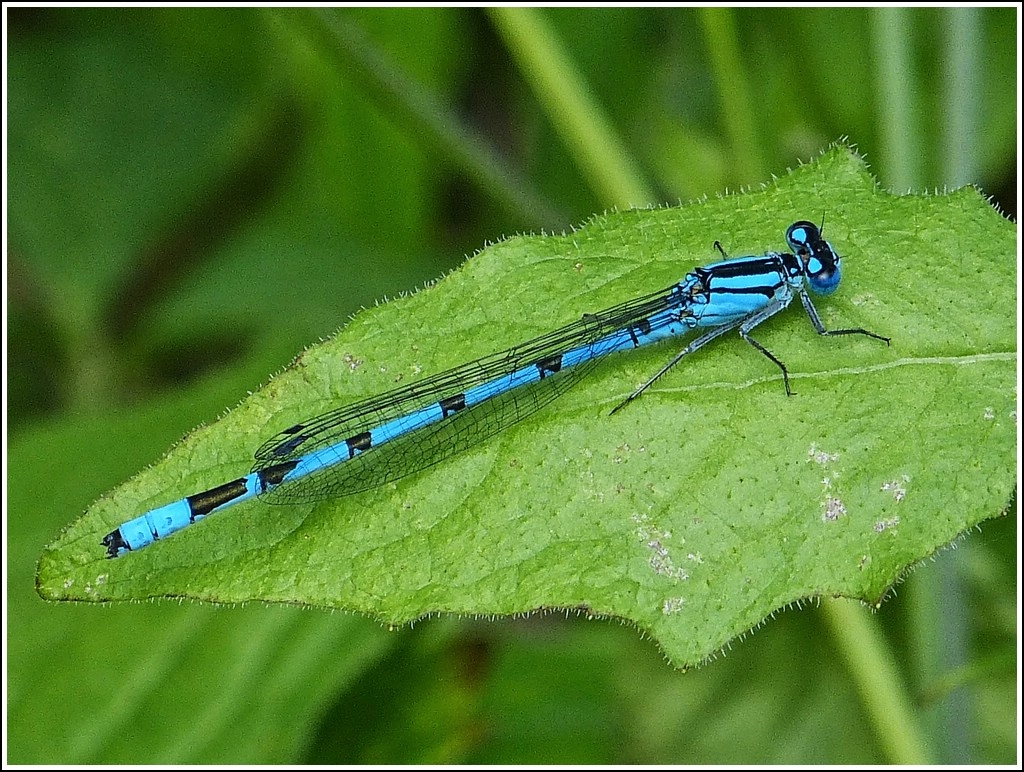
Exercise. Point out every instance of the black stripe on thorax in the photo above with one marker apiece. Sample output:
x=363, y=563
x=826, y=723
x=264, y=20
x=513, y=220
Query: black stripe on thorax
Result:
x=768, y=290
x=745, y=267
x=750, y=269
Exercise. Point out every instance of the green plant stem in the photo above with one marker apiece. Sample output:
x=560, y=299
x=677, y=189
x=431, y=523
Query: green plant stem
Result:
x=938, y=611
x=410, y=103
x=897, y=99
x=719, y=25
x=963, y=76
x=569, y=103
x=873, y=668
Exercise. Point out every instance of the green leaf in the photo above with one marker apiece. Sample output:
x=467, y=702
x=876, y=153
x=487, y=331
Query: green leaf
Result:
x=697, y=511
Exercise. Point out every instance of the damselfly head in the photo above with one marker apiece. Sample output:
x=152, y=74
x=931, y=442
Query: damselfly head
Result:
x=820, y=262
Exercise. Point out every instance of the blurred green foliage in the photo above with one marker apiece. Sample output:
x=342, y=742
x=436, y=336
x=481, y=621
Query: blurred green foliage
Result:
x=195, y=194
